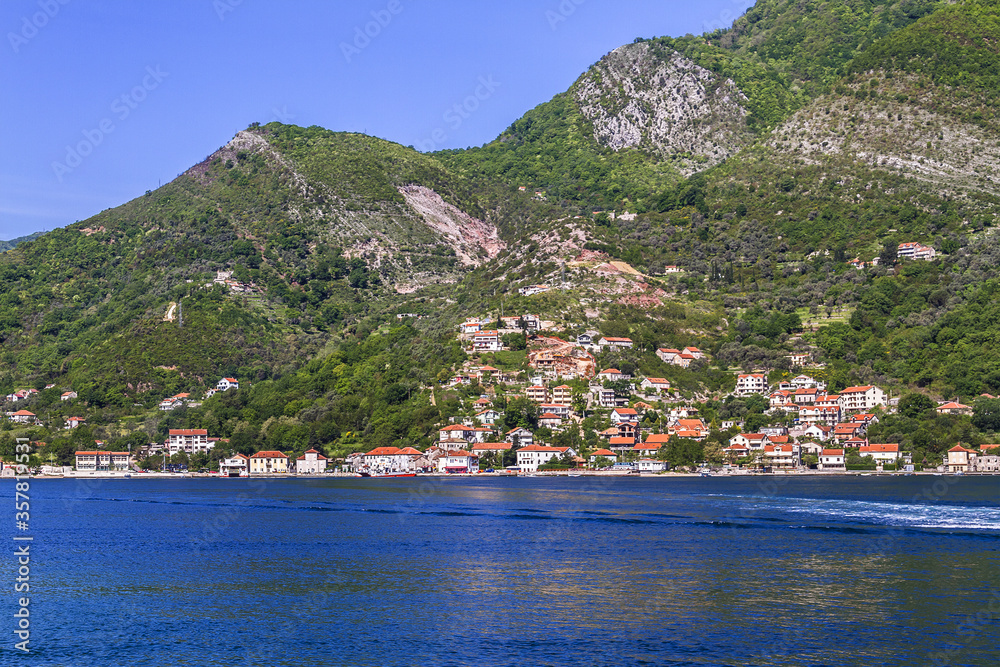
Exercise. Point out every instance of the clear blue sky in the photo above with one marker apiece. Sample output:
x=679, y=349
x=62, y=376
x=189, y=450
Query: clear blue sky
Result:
x=105, y=99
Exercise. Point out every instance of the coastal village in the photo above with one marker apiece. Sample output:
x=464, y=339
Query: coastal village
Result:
x=640, y=419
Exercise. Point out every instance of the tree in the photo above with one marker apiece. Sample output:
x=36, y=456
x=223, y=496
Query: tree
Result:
x=986, y=414
x=915, y=405
x=515, y=341
x=887, y=257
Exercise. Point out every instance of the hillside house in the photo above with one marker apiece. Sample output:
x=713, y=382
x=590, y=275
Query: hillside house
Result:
x=73, y=422
x=615, y=342
x=519, y=437
x=751, y=383
x=23, y=417
x=68, y=396
x=549, y=420
x=620, y=415
x=667, y=354
x=658, y=385
x=862, y=399
x=562, y=395
x=562, y=411
x=470, y=327
x=914, y=250
x=781, y=457
x=225, y=384
x=613, y=375
x=537, y=393
x=953, y=408
x=487, y=341
x=755, y=442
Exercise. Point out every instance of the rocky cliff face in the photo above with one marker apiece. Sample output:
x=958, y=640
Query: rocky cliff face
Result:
x=649, y=97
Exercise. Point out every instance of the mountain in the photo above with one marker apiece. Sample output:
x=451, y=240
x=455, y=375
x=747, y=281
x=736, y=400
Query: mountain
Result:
x=13, y=243
x=329, y=269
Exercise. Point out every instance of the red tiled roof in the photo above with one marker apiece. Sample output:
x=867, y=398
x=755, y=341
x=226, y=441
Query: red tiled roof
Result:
x=269, y=455
x=188, y=431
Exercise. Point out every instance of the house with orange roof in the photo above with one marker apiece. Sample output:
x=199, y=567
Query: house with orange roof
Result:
x=73, y=422
x=615, y=342
x=881, y=452
x=603, y=453
x=960, y=459
x=953, y=408
x=68, y=395
x=658, y=439
x=225, y=384
x=23, y=417
x=781, y=457
x=237, y=465
x=613, y=375
x=549, y=420
x=655, y=384
x=459, y=463
x=488, y=341
x=313, y=463
x=188, y=440
x=619, y=415
x=269, y=462
x=563, y=394
x=832, y=459
x=667, y=354
x=862, y=399
x=752, y=441
x=645, y=449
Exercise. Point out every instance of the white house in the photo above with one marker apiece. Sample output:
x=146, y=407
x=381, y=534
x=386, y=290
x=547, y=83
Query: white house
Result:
x=832, y=459
x=861, y=399
x=615, y=341
x=650, y=465
x=752, y=441
x=751, y=383
x=667, y=354
x=67, y=396
x=93, y=461
x=237, y=465
x=655, y=384
x=225, y=384
x=460, y=462
x=621, y=415
x=519, y=437
x=487, y=340
x=532, y=456
x=882, y=453
x=189, y=440
x=310, y=463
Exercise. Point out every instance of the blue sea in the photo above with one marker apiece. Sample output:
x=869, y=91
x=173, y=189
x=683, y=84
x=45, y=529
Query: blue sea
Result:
x=506, y=571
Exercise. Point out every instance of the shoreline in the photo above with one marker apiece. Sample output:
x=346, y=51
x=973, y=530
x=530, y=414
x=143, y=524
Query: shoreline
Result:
x=666, y=475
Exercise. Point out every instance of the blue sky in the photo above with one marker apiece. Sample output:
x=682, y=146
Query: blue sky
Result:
x=106, y=99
